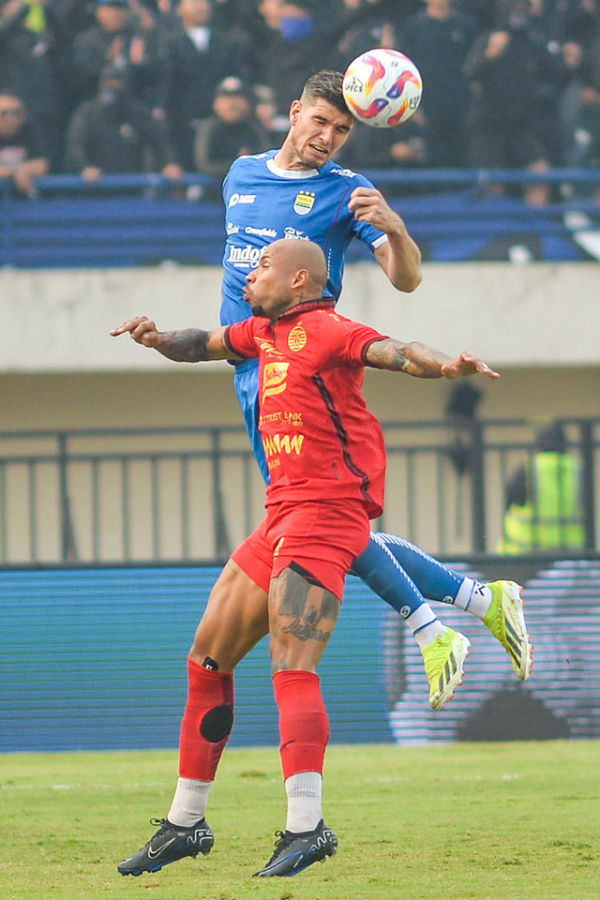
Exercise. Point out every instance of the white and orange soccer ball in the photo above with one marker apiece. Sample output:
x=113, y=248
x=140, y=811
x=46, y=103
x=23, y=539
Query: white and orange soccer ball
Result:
x=382, y=87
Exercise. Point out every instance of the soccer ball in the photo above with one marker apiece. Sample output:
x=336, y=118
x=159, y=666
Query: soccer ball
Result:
x=382, y=87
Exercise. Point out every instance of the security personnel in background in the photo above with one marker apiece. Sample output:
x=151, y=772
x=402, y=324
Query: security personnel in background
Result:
x=544, y=508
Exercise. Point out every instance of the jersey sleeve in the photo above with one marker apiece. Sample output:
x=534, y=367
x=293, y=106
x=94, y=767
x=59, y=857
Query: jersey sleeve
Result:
x=227, y=182
x=351, y=340
x=240, y=338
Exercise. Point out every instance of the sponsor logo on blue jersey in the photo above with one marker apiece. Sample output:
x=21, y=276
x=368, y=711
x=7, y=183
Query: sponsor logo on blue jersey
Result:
x=295, y=234
x=261, y=232
x=241, y=198
x=347, y=172
x=246, y=257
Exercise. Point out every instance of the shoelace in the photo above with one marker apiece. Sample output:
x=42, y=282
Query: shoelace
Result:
x=282, y=841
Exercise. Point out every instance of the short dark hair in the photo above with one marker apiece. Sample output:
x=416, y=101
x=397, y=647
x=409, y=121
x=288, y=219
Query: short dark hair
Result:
x=326, y=84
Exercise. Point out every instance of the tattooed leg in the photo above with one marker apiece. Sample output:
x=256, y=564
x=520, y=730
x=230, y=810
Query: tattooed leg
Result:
x=302, y=616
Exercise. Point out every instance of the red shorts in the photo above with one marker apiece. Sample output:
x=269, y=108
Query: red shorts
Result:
x=322, y=538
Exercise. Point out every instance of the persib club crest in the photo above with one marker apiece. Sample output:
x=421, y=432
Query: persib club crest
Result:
x=304, y=202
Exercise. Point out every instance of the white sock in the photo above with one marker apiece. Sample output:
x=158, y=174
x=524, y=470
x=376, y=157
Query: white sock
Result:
x=304, y=801
x=189, y=802
x=425, y=625
x=473, y=597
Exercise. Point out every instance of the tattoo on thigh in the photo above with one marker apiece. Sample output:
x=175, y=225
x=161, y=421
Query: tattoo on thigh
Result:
x=312, y=609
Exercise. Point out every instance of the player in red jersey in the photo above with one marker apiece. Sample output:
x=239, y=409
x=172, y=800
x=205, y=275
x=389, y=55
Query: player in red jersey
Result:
x=327, y=467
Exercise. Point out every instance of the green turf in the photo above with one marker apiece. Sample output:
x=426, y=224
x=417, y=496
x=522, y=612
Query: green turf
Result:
x=459, y=821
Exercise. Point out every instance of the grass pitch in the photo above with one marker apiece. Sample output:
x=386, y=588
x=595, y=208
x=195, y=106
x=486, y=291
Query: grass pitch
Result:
x=459, y=821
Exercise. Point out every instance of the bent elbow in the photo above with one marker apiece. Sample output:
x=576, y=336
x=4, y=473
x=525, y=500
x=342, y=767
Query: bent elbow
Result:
x=408, y=284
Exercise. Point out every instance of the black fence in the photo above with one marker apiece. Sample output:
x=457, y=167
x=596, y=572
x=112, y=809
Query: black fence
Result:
x=182, y=495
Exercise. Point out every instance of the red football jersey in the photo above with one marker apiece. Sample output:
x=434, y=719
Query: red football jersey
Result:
x=320, y=440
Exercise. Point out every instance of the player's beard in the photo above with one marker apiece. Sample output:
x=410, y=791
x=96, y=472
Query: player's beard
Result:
x=317, y=163
x=309, y=162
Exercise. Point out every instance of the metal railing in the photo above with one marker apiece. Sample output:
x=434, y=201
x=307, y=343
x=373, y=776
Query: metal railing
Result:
x=100, y=496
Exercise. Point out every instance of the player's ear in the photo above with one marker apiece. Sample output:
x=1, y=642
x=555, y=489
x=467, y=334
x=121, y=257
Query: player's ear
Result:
x=301, y=278
x=295, y=110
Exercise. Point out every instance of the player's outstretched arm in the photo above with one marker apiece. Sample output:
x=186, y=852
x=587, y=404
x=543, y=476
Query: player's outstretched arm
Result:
x=421, y=361
x=399, y=257
x=185, y=345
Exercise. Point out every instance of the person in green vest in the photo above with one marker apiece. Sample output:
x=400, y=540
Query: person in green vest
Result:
x=544, y=509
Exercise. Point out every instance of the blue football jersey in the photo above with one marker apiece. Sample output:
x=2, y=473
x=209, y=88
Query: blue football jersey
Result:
x=264, y=203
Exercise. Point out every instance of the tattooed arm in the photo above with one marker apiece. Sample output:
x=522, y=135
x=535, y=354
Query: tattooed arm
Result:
x=185, y=345
x=417, y=359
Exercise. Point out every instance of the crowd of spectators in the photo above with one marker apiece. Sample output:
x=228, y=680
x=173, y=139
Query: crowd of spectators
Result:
x=173, y=86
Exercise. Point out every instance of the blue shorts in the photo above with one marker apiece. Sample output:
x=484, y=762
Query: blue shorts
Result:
x=246, y=387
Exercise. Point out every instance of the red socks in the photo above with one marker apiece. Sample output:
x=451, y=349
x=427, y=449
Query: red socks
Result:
x=303, y=722
x=206, y=723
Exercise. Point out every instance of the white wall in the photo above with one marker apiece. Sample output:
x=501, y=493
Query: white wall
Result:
x=538, y=323
x=536, y=314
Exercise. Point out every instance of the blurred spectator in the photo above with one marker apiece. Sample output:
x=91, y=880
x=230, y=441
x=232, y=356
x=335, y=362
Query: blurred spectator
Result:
x=506, y=68
x=580, y=121
x=147, y=58
x=230, y=132
x=364, y=36
x=75, y=16
x=387, y=148
x=115, y=133
x=241, y=20
x=130, y=41
x=549, y=27
x=554, y=123
x=269, y=12
x=534, y=88
x=22, y=156
x=265, y=109
x=295, y=51
x=543, y=499
x=355, y=13
x=33, y=53
x=438, y=40
x=200, y=54
x=483, y=11
x=581, y=21
x=107, y=41
x=166, y=14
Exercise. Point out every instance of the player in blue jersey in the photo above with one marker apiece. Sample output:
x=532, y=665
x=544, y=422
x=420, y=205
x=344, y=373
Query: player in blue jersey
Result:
x=299, y=192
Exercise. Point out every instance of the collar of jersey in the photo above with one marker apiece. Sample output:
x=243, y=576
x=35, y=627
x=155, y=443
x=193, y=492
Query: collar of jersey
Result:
x=307, y=306
x=291, y=173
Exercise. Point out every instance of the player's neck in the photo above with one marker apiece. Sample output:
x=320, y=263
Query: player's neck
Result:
x=288, y=160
